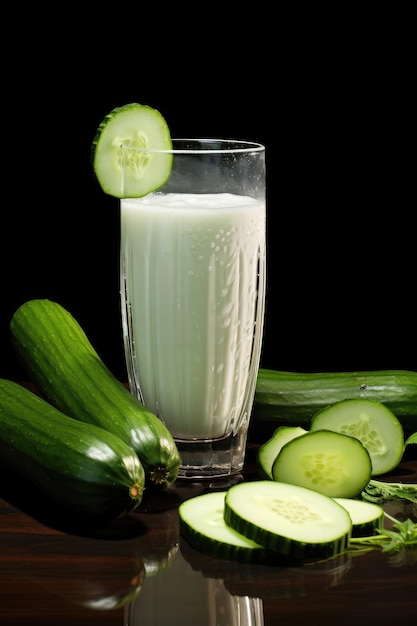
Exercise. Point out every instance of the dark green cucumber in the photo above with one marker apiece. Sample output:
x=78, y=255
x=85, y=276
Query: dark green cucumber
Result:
x=292, y=398
x=84, y=469
x=67, y=370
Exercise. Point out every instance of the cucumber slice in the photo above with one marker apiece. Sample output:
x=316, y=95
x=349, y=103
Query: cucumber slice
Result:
x=203, y=526
x=336, y=465
x=139, y=126
x=268, y=452
x=288, y=519
x=374, y=424
x=367, y=518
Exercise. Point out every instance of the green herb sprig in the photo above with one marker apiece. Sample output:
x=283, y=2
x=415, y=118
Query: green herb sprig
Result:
x=400, y=541
x=403, y=535
x=377, y=491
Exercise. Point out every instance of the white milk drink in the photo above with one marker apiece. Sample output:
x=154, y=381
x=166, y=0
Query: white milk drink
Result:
x=191, y=266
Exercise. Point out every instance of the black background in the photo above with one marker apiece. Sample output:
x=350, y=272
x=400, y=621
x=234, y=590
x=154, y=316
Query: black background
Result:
x=331, y=97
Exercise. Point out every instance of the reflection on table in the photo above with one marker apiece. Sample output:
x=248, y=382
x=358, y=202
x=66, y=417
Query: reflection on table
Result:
x=138, y=571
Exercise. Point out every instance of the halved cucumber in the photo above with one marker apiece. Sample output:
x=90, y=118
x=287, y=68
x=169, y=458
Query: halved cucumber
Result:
x=203, y=526
x=268, y=452
x=367, y=518
x=336, y=465
x=288, y=519
x=372, y=423
x=138, y=126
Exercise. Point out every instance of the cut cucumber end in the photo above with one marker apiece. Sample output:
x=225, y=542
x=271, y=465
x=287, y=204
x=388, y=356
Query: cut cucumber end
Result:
x=139, y=127
x=372, y=423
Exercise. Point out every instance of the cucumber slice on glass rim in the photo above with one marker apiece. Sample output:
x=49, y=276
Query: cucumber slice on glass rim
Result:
x=134, y=126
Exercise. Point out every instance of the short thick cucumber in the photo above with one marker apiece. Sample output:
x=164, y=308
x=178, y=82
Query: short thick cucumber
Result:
x=292, y=398
x=65, y=368
x=84, y=469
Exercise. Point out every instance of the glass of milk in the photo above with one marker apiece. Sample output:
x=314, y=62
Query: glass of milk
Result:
x=192, y=271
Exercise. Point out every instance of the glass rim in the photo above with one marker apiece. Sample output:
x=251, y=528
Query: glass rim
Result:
x=233, y=146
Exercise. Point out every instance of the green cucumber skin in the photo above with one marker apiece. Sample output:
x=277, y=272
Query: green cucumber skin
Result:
x=68, y=371
x=221, y=550
x=83, y=468
x=292, y=398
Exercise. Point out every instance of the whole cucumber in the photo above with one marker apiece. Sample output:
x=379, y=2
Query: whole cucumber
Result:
x=65, y=367
x=292, y=398
x=84, y=469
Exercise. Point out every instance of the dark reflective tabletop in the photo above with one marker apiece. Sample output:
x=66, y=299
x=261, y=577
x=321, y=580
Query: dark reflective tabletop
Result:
x=138, y=571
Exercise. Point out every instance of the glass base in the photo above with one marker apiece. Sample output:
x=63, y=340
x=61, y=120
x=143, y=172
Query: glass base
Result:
x=212, y=458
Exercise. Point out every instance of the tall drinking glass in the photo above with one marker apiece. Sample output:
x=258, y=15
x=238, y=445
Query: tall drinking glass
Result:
x=192, y=264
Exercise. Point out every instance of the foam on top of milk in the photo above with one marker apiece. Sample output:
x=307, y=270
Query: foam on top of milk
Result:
x=192, y=201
